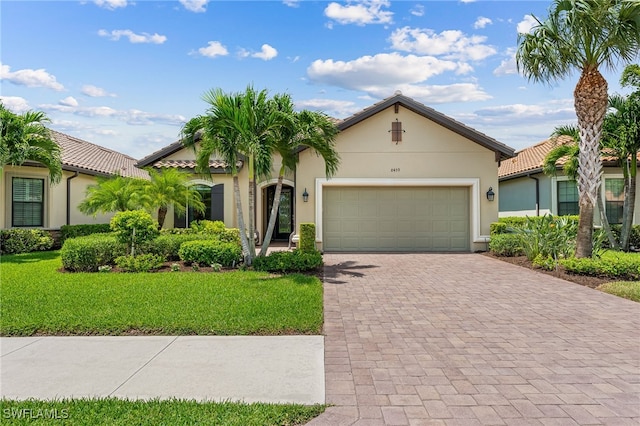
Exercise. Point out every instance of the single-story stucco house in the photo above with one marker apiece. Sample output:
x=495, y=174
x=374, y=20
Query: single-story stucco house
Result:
x=410, y=179
x=30, y=201
x=526, y=191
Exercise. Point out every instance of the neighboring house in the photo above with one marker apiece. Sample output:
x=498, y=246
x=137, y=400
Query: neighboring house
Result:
x=410, y=179
x=29, y=200
x=526, y=191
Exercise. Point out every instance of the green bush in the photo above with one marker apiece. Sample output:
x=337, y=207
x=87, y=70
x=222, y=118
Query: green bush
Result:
x=506, y=245
x=168, y=245
x=14, y=241
x=289, y=261
x=612, y=264
x=73, y=231
x=498, y=228
x=307, y=242
x=134, y=227
x=207, y=252
x=139, y=263
x=86, y=254
x=548, y=236
x=216, y=229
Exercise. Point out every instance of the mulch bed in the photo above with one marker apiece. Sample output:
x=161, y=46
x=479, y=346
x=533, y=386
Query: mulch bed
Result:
x=584, y=280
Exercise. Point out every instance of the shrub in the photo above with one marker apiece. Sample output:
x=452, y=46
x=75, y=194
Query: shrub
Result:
x=168, y=245
x=506, y=245
x=85, y=254
x=207, y=252
x=497, y=228
x=134, y=227
x=139, y=263
x=289, y=261
x=548, y=236
x=73, y=231
x=307, y=237
x=14, y=241
x=216, y=229
x=611, y=264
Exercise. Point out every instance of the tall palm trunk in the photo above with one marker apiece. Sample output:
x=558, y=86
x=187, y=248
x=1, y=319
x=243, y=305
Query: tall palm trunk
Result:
x=244, y=241
x=274, y=213
x=591, y=102
x=252, y=208
x=162, y=214
x=630, y=174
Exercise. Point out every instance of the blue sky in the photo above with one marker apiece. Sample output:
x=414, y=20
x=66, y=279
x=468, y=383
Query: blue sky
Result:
x=127, y=74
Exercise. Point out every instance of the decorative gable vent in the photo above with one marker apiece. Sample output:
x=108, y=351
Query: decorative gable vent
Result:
x=396, y=131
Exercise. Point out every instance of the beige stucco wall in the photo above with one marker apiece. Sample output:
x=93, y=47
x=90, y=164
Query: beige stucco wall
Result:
x=428, y=155
x=55, y=197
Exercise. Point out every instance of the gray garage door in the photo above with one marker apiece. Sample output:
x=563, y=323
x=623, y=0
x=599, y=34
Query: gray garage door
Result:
x=396, y=219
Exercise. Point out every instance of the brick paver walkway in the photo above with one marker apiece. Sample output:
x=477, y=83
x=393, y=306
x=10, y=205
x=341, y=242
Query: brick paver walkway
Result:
x=466, y=339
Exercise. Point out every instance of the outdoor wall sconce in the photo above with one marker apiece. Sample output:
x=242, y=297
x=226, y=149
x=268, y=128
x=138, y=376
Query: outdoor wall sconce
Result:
x=305, y=195
x=490, y=194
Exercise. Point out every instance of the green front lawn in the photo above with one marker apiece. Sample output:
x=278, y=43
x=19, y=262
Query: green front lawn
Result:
x=627, y=289
x=117, y=412
x=38, y=299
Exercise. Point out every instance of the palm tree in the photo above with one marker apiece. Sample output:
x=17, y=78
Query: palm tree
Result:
x=305, y=129
x=114, y=194
x=583, y=35
x=168, y=187
x=25, y=138
x=570, y=152
x=622, y=136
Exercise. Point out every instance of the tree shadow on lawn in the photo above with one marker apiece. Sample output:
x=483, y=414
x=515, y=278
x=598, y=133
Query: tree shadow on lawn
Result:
x=332, y=273
x=32, y=257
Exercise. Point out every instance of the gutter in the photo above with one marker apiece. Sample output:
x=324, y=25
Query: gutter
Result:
x=537, y=193
x=69, y=196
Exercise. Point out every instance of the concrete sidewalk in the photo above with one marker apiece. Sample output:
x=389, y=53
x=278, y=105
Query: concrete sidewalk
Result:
x=279, y=369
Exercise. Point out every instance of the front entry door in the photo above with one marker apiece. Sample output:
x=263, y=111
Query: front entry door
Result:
x=284, y=220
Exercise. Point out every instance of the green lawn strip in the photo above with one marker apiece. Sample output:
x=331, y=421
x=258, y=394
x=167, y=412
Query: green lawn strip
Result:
x=122, y=412
x=627, y=289
x=38, y=299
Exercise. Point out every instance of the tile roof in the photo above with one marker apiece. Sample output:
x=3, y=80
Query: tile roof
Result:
x=191, y=164
x=86, y=157
x=531, y=159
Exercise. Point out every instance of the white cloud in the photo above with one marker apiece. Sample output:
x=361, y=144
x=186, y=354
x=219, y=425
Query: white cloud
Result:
x=266, y=53
x=384, y=69
x=507, y=66
x=450, y=44
x=332, y=107
x=556, y=110
x=526, y=24
x=291, y=3
x=197, y=6
x=131, y=116
x=95, y=92
x=417, y=10
x=360, y=12
x=213, y=49
x=111, y=4
x=69, y=101
x=133, y=37
x=482, y=22
x=437, y=94
x=15, y=104
x=30, y=78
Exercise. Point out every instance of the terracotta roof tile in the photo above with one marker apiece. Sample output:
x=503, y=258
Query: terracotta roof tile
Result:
x=86, y=157
x=190, y=164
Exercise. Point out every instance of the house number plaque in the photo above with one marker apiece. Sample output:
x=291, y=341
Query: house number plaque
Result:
x=395, y=170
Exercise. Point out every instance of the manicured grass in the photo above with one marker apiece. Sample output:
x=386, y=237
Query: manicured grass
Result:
x=627, y=289
x=117, y=412
x=38, y=299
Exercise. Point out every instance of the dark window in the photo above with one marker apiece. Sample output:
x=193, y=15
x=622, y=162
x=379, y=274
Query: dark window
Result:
x=567, y=198
x=614, y=199
x=27, y=202
x=396, y=131
x=213, y=199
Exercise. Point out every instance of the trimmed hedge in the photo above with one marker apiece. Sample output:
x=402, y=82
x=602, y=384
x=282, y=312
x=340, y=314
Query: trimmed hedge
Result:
x=139, y=263
x=73, y=231
x=611, y=264
x=289, y=261
x=208, y=252
x=307, y=237
x=507, y=245
x=18, y=240
x=86, y=254
x=168, y=245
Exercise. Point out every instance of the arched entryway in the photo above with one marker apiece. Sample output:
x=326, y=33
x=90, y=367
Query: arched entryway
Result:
x=284, y=221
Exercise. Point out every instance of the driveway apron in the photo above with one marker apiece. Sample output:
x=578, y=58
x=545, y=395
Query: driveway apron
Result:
x=467, y=339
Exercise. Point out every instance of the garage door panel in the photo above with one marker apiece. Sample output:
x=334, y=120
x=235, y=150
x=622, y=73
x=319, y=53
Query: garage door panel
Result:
x=396, y=219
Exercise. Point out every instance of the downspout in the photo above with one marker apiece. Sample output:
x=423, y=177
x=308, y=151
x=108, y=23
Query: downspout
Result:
x=69, y=196
x=537, y=194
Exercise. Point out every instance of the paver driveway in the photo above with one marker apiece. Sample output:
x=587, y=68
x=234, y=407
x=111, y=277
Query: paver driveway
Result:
x=467, y=339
